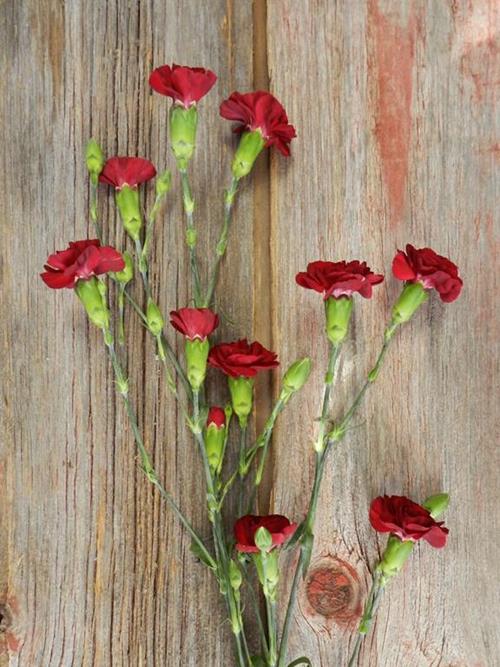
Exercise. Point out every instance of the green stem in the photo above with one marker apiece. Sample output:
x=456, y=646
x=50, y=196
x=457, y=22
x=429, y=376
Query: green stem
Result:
x=241, y=466
x=369, y=612
x=191, y=236
x=272, y=632
x=93, y=207
x=222, y=242
x=319, y=446
x=121, y=314
x=147, y=466
x=264, y=440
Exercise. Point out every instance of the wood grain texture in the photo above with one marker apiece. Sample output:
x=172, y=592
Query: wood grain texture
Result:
x=394, y=104
x=394, y=131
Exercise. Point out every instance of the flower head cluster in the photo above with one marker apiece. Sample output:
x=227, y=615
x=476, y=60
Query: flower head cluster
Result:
x=260, y=111
x=80, y=261
x=241, y=358
x=280, y=528
x=407, y=520
x=339, y=278
x=185, y=85
x=431, y=270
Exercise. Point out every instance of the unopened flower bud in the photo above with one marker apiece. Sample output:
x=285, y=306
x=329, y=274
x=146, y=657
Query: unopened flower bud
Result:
x=215, y=437
x=263, y=539
x=196, y=361
x=90, y=294
x=183, y=123
x=395, y=556
x=437, y=504
x=235, y=577
x=297, y=375
x=127, y=273
x=127, y=200
x=410, y=299
x=163, y=183
x=154, y=318
x=250, y=146
x=338, y=314
x=241, y=390
x=94, y=159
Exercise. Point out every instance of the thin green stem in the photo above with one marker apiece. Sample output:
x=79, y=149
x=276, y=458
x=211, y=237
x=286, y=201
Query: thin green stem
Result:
x=191, y=236
x=93, y=207
x=260, y=624
x=220, y=250
x=241, y=466
x=146, y=464
x=264, y=440
x=289, y=612
x=272, y=632
x=371, y=606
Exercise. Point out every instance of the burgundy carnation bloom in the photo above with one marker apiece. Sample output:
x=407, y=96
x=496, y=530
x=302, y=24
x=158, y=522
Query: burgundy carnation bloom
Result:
x=80, y=261
x=245, y=528
x=194, y=322
x=408, y=520
x=433, y=271
x=241, y=358
x=339, y=278
x=260, y=111
x=185, y=85
x=216, y=416
x=120, y=171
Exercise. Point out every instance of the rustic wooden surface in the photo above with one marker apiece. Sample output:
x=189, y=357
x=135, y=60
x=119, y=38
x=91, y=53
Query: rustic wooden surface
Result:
x=394, y=104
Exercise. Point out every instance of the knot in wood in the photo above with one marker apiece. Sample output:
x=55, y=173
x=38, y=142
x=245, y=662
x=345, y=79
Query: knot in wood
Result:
x=333, y=592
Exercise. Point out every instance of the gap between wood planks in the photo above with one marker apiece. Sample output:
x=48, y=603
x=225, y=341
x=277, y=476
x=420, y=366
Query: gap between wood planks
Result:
x=263, y=296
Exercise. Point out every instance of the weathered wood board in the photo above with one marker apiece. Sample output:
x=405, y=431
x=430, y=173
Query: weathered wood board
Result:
x=396, y=108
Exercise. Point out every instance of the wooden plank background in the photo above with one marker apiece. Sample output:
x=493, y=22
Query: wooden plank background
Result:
x=394, y=105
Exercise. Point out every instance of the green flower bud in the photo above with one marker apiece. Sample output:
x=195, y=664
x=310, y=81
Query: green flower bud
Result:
x=437, y=504
x=183, y=123
x=395, y=555
x=250, y=146
x=90, y=294
x=297, y=375
x=94, y=159
x=163, y=183
x=241, y=390
x=154, y=318
x=338, y=314
x=410, y=299
x=215, y=438
x=196, y=361
x=127, y=200
x=263, y=539
x=127, y=273
x=235, y=577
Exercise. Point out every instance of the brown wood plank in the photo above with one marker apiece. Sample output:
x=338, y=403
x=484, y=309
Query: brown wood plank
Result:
x=93, y=569
x=394, y=106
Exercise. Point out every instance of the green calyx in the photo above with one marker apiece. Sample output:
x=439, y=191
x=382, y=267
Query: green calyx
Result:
x=215, y=440
x=266, y=563
x=127, y=273
x=395, y=556
x=196, y=361
x=93, y=299
x=163, y=183
x=127, y=200
x=241, y=390
x=250, y=146
x=437, y=504
x=183, y=124
x=94, y=159
x=296, y=376
x=410, y=299
x=154, y=318
x=338, y=315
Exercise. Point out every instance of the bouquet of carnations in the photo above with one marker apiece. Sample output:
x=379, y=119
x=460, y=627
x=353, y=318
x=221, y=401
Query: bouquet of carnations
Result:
x=244, y=559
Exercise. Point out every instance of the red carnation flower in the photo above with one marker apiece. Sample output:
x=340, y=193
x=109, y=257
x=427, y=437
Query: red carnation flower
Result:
x=121, y=171
x=194, y=322
x=245, y=528
x=80, y=261
x=407, y=520
x=216, y=416
x=433, y=271
x=339, y=278
x=185, y=85
x=260, y=111
x=241, y=358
